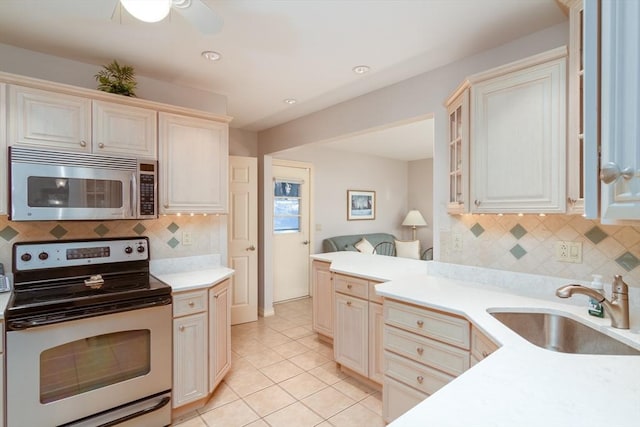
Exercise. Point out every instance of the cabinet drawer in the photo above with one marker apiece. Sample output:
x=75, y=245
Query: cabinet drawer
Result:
x=418, y=376
x=353, y=286
x=446, y=358
x=372, y=293
x=189, y=303
x=398, y=398
x=481, y=345
x=440, y=326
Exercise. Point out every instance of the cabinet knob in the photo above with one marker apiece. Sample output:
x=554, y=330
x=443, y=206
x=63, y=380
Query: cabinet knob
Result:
x=101, y=145
x=485, y=354
x=191, y=303
x=572, y=202
x=477, y=202
x=349, y=286
x=349, y=303
x=420, y=379
x=420, y=350
x=420, y=323
x=83, y=143
x=181, y=328
x=610, y=172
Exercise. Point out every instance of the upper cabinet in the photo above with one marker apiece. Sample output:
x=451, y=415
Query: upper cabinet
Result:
x=193, y=158
x=615, y=91
x=59, y=121
x=517, y=138
x=124, y=129
x=575, y=111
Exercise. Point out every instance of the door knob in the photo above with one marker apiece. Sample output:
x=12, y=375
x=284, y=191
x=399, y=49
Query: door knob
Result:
x=610, y=172
x=251, y=248
x=306, y=242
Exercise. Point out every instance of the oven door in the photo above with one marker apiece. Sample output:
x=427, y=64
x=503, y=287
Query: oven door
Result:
x=68, y=371
x=82, y=191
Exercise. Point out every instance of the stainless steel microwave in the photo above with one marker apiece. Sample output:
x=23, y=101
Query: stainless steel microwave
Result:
x=55, y=185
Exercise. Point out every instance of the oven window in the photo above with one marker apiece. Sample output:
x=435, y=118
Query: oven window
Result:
x=92, y=363
x=47, y=192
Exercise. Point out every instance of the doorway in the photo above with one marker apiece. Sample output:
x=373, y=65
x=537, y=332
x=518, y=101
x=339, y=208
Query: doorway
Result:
x=291, y=222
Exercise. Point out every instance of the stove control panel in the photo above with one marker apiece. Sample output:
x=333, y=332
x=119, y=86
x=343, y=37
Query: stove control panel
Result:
x=65, y=253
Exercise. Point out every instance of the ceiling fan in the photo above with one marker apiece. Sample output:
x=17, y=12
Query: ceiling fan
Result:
x=195, y=11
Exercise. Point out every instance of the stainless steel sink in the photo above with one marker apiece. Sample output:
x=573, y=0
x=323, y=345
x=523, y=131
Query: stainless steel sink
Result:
x=560, y=333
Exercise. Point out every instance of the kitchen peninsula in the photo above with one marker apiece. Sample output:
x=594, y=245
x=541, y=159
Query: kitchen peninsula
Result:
x=519, y=383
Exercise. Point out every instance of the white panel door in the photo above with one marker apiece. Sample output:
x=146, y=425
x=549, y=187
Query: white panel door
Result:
x=291, y=232
x=243, y=238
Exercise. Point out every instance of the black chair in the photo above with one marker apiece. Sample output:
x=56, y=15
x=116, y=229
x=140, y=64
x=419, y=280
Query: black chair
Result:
x=427, y=255
x=385, y=248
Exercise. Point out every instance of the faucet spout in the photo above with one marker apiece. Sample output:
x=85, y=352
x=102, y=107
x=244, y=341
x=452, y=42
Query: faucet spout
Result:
x=617, y=308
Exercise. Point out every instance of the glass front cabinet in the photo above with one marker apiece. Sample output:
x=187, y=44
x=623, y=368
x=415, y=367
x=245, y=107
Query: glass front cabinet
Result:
x=458, y=137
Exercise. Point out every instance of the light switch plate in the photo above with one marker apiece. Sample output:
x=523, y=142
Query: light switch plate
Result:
x=569, y=252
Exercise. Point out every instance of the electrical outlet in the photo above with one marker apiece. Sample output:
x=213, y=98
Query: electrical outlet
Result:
x=569, y=252
x=187, y=238
x=456, y=242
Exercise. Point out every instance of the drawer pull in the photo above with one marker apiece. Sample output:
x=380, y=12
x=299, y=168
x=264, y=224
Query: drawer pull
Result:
x=420, y=379
x=485, y=353
x=420, y=323
x=349, y=303
x=181, y=328
x=191, y=303
x=420, y=350
x=349, y=286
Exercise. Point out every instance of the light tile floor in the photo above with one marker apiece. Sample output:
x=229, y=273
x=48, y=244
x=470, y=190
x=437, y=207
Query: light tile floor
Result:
x=283, y=376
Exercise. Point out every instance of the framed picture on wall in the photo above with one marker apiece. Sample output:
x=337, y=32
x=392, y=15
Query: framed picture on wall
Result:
x=361, y=205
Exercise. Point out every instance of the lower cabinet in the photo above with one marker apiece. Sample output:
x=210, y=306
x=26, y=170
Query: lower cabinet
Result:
x=323, y=304
x=481, y=346
x=423, y=350
x=201, y=342
x=357, y=336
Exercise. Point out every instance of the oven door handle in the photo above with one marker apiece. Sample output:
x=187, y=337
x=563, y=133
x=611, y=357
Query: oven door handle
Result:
x=140, y=413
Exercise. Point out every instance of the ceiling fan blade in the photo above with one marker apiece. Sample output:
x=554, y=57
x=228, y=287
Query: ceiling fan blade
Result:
x=201, y=17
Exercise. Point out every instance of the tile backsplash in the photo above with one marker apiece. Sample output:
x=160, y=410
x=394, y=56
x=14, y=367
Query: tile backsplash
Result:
x=165, y=234
x=528, y=244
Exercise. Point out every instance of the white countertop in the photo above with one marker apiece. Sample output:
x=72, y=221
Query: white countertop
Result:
x=189, y=273
x=520, y=384
x=4, y=300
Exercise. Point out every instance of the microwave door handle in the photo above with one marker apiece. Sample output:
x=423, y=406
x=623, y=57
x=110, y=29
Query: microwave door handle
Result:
x=133, y=195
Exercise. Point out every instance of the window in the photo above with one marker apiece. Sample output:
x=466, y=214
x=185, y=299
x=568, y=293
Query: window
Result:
x=286, y=206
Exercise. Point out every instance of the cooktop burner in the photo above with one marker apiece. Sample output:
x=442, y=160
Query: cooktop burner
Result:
x=66, y=280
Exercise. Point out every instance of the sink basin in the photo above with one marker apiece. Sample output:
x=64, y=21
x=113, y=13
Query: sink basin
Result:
x=559, y=333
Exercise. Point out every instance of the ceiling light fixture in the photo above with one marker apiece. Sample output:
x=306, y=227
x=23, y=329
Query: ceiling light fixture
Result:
x=290, y=101
x=361, y=69
x=147, y=11
x=211, y=55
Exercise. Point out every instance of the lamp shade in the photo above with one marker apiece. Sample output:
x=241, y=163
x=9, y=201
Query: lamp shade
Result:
x=414, y=219
x=147, y=10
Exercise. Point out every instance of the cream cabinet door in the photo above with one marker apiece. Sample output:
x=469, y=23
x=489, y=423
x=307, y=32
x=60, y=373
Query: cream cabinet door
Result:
x=193, y=156
x=123, y=129
x=350, y=339
x=220, y=333
x=518, y=141
x=458, y=113
x=189, y=359
x=620, y=109
x=4, y=185
x=323, y=304
x=49, y=120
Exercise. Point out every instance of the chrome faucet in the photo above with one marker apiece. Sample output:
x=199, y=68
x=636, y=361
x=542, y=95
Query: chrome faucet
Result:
x=617, y=308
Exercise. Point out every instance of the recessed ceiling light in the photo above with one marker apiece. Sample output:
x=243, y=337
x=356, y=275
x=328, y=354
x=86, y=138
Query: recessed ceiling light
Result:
x=290, y=101
x=211, y=55
x=361, y=69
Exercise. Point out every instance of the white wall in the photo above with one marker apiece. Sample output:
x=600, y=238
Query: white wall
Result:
x=335, y=172
x=243, y=143
x=420, y=185
x=47, y=67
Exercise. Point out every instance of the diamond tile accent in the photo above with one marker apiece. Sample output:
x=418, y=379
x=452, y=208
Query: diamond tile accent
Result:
x=628, y=261
x=173, y=227
x=518, y=251
x=596, y=235
x=173, y=242
x=139, y=229
x=8, y=233
x=58, y=231
x=518, y=231
x=477, y=229
x=101, y=230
